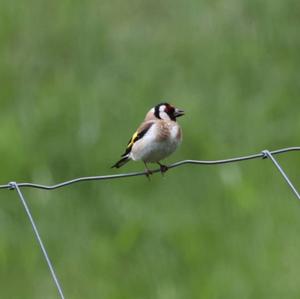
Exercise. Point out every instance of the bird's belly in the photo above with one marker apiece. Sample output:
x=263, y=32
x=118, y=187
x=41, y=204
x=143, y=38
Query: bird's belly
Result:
x=153, y=151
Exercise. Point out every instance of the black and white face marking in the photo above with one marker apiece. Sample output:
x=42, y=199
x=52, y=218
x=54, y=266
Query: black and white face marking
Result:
x=167, y=112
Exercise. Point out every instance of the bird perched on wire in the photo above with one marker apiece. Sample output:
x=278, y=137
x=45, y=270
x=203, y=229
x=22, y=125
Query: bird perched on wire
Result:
x=156, y=138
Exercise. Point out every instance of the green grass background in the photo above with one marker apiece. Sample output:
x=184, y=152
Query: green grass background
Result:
x=77, y=78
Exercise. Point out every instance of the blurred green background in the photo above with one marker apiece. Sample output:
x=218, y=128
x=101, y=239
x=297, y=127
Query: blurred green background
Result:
x=78, y=77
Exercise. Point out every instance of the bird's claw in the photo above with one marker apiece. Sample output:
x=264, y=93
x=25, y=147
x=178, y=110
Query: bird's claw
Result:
x=148, y=173
x=163, y=168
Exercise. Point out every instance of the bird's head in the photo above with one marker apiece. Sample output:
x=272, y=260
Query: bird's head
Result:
x=164, y=111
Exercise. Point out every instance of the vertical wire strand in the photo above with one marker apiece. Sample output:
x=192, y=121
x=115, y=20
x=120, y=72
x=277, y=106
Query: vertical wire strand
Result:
x=267, y=154
x=36, y=232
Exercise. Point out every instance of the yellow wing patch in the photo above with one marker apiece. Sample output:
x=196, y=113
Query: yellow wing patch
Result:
x=133, y=139
x=136, y=136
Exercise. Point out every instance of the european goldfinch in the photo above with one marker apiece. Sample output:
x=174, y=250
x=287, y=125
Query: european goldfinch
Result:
x=156, y=138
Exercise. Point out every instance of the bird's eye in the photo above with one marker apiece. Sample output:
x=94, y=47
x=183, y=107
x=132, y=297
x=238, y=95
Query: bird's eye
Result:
x=169, y=110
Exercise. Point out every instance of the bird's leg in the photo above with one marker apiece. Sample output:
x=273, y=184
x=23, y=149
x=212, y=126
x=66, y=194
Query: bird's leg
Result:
x=163, y=168
x=148, y=172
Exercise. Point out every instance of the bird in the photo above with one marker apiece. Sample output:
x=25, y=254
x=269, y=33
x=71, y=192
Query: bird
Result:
x=156, y=138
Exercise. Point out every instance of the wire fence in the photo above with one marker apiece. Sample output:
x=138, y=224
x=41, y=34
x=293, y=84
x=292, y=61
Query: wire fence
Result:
x=17, y=187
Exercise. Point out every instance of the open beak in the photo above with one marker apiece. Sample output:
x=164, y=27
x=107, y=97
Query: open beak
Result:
x=178, y=112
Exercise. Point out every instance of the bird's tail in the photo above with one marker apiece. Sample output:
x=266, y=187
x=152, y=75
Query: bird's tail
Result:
x=121, y=162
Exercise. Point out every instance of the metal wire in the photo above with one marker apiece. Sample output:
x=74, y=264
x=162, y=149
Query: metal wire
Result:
x=16, y=186
x=142, y=173
x=40, y=242
x=269, y=155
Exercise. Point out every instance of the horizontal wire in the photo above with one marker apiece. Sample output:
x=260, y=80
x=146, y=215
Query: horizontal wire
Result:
x=142, y=173
x=13, y=185
x=17, y=186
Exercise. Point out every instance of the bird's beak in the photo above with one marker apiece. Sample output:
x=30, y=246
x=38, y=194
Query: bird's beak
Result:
x=178, y=112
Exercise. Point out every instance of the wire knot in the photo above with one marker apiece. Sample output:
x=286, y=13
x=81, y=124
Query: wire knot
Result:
x=12, y=185
x=265, y=154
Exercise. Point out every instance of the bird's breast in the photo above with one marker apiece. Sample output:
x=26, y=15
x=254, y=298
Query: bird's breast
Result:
x=160, y=141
